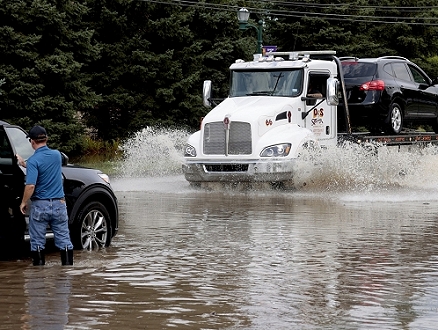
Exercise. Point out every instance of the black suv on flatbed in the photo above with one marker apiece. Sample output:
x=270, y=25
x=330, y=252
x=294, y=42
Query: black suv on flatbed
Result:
x=91, y=202
x=388, y=92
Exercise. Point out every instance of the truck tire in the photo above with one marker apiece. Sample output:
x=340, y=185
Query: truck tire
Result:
x=92, y=227
x=395, y=119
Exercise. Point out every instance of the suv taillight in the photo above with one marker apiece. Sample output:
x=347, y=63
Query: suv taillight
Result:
x=373, y=85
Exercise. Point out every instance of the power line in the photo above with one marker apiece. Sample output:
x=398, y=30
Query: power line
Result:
x=300, y=14
x=336, y=5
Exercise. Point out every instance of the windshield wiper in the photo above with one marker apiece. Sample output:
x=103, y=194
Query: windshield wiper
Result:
x=276, y=83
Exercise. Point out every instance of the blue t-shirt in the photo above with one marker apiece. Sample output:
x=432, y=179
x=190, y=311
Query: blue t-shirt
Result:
x=43, y=169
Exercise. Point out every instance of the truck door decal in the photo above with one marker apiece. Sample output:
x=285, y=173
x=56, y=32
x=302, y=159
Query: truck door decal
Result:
x=318, y=113
x=318, y=117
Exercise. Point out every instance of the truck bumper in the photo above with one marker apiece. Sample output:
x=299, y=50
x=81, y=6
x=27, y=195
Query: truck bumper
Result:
x=257, y=171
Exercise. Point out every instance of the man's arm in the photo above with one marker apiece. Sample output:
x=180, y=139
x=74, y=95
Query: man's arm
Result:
x=28, y=191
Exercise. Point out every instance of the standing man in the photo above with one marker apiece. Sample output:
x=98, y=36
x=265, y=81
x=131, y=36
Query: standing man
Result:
x=44, y=188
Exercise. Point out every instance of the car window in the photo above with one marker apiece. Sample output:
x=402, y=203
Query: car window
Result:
x=358, y=69
x=20, y=142
x=388, y=69
x=401, y=71
x=6, y=154
x=418, y=77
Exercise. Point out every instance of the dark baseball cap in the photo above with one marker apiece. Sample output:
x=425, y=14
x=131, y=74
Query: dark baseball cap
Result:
x=37, y=133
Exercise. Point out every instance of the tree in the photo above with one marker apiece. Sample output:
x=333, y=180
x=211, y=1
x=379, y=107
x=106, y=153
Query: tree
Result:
x=153, y=61
x=358, y=28
x=44, y=47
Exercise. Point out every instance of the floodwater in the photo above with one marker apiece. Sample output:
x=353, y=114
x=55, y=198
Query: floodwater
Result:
x=355, y=246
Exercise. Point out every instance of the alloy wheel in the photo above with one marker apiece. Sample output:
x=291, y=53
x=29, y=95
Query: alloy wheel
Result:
x=94, y=230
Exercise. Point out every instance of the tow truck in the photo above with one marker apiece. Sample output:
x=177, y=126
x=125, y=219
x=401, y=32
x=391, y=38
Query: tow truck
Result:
x=271, y=117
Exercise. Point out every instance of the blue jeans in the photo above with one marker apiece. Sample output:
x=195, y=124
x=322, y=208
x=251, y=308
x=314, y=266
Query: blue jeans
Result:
x=53, y=213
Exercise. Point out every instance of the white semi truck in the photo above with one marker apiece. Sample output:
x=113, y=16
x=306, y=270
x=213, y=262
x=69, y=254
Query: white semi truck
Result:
x=278, y=106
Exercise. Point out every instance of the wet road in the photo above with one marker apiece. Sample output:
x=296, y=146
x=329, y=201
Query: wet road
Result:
x=221, y=259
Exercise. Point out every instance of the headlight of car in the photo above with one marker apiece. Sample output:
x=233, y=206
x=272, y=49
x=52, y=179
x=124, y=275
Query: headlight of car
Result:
x=278, y=150
x=104, y=177
x=189, y=151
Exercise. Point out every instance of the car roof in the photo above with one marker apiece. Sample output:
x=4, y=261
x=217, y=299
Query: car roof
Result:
x=3, y=123
x=376, y=59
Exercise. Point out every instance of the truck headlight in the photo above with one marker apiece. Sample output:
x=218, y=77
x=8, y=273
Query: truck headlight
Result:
x=189, y=151
x=278, y=150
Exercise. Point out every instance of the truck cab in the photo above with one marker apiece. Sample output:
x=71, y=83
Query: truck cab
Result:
x=278, y=105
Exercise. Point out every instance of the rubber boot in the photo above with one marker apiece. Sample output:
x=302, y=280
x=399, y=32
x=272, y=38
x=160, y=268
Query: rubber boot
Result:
x=67, y=257
x=38, y=257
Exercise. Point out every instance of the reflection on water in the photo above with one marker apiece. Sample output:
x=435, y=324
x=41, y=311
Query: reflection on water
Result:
x=47, y=294
x=251, y=260
x=353, y=248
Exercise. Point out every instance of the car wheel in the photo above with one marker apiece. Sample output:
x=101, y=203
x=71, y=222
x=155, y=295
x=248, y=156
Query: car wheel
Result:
x=395, y=120
x=92, y=227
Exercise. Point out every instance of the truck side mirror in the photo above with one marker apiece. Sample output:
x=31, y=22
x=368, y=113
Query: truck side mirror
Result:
x=206, y=93
x=332, y=91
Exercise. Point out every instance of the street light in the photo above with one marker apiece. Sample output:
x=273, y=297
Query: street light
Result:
x=242, y=17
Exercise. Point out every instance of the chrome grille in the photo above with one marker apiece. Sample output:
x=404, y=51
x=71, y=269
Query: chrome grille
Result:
x=239, y=143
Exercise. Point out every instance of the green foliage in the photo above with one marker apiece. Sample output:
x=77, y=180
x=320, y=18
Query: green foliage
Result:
x=158, y=57
x=430, y=65
x=44, y=46
x=106, y=150
x=356, y=28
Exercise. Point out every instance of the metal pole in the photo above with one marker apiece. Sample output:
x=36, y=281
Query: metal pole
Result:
x=259, y=29
x=259, y=37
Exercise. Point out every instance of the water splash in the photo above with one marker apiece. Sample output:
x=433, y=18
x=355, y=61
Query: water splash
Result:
x=359, y=168
x=158, y=152
x=153, y=152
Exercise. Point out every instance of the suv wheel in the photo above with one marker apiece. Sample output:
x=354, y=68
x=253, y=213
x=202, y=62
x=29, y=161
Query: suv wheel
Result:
x=395, y=119
x=92, y=227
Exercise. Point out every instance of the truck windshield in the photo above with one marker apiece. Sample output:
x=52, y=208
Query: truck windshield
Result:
x=262, y=82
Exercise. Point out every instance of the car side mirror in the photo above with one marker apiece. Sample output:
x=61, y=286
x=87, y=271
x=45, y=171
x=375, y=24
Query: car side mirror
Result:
x=64, y=159
x=423, y=86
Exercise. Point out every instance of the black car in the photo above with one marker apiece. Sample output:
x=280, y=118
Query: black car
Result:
x=91, y=202
x=388, y=93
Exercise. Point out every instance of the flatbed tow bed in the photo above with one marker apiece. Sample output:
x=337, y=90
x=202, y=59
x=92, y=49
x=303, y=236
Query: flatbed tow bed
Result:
x=407, y=138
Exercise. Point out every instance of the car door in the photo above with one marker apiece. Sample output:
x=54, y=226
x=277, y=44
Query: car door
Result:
x=408, y=88
x=11, y=180
x=428, y=99
x=13, y=223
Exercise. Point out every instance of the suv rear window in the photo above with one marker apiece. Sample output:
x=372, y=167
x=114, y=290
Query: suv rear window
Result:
x=358, y=69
